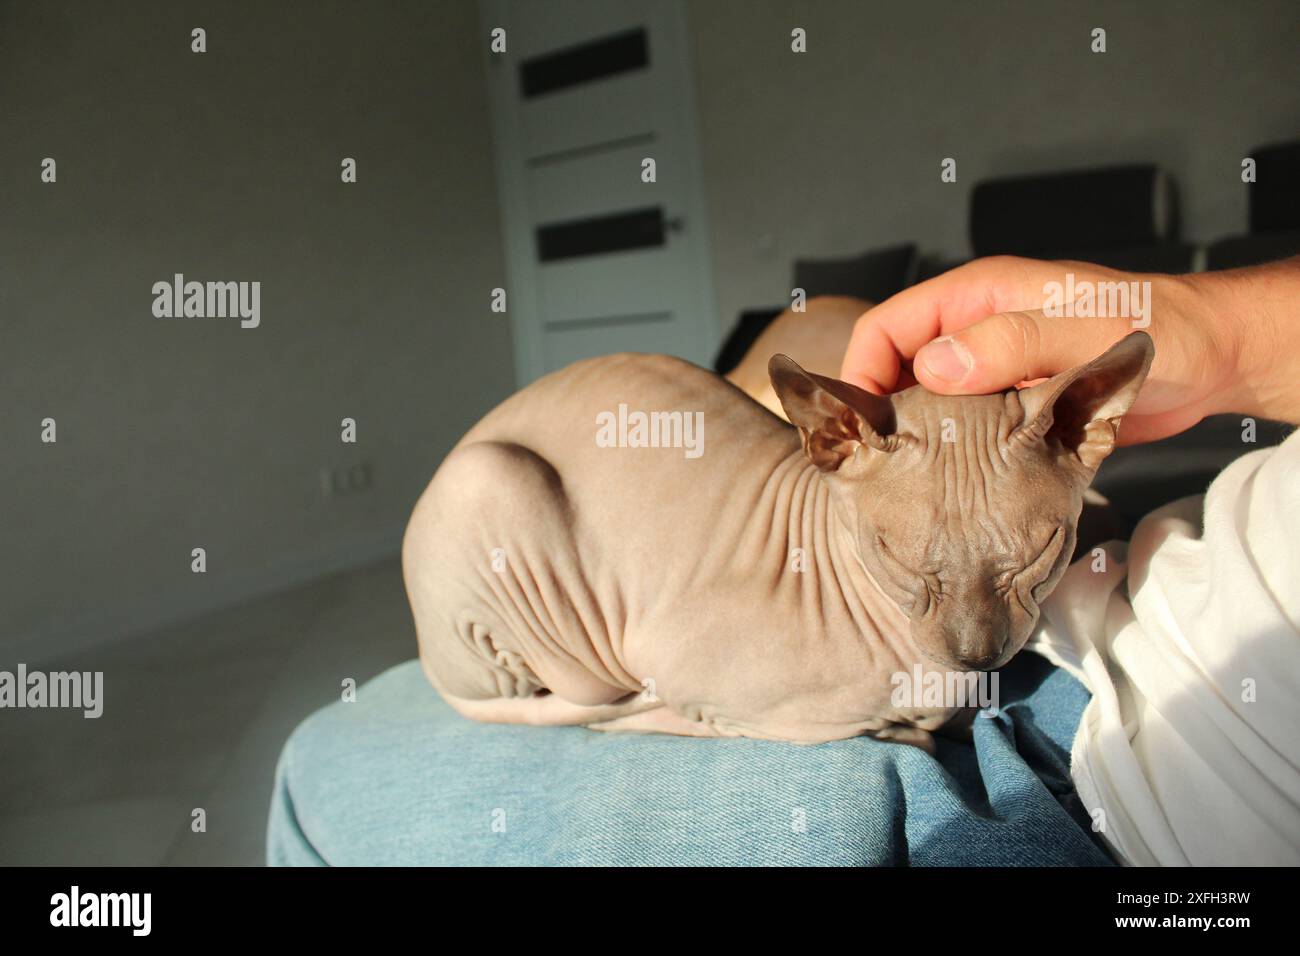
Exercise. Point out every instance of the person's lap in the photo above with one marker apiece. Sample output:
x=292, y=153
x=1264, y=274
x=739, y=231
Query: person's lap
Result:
x=398, y=778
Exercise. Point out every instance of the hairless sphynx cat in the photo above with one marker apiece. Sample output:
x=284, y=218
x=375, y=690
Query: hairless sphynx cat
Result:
x=767, y=583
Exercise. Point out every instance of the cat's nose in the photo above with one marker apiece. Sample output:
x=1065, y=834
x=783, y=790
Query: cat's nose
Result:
x=971, y=639
x=979, y=662
x=979, y=644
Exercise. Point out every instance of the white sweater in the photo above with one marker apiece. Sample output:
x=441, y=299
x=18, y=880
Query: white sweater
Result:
x=1189, y=752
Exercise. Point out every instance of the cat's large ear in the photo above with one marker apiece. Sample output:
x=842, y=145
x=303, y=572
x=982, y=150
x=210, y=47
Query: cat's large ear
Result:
x=834, y=418
x=1081, y=409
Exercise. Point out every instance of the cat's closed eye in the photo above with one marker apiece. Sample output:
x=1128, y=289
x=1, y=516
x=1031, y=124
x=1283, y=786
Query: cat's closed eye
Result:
x=1039, y=572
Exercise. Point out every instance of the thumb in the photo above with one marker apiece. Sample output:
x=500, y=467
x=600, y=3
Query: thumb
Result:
x=1012, y=347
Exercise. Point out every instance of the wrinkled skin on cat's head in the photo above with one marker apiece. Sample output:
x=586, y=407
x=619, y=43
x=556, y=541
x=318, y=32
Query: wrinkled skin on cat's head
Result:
x=965, y=507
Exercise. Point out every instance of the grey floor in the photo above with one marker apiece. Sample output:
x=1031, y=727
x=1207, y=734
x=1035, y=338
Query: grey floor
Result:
x=194, y=717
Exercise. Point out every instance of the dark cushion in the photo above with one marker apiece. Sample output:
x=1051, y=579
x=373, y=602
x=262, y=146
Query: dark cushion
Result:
x=930, y=266
x=1275, y=193
x=873, y=276
x=1057, y=215
x=1173, y=258
x=1137, y=479
x=743, y=334
x=1252, y=250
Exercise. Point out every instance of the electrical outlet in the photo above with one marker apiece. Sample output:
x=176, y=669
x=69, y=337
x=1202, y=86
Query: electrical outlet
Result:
x=340, y=480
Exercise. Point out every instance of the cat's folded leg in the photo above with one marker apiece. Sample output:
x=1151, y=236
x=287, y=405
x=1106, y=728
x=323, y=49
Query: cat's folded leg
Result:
x=912, y=736
x=547, y=709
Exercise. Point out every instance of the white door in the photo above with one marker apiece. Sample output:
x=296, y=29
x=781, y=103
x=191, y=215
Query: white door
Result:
x=598, y=259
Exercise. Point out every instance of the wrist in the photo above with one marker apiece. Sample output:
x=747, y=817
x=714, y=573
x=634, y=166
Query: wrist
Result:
x=1254, y=315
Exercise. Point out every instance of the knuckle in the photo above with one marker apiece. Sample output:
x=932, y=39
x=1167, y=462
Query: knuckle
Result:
x=1022, y=339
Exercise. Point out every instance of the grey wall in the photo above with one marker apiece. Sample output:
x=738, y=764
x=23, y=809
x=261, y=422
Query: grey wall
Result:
x=837, y=150
x=175, y=434
x=181, y=433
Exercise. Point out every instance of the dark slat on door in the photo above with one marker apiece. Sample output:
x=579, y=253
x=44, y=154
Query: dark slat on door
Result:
x=619, y=232
x=582, y=64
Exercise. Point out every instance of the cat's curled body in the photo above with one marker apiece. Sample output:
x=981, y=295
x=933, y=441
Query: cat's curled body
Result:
x=777, y=583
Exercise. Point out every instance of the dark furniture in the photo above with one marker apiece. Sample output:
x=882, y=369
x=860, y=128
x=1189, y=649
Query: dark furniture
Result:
x=1124, y=217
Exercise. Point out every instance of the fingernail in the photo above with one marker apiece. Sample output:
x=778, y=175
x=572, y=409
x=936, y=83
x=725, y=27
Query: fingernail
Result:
x=946, y=359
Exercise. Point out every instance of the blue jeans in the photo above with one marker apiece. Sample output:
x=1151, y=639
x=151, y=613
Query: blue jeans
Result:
x=399, y=778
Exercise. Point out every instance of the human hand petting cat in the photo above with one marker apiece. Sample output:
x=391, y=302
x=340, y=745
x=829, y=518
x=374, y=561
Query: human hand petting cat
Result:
x=1225, y=341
